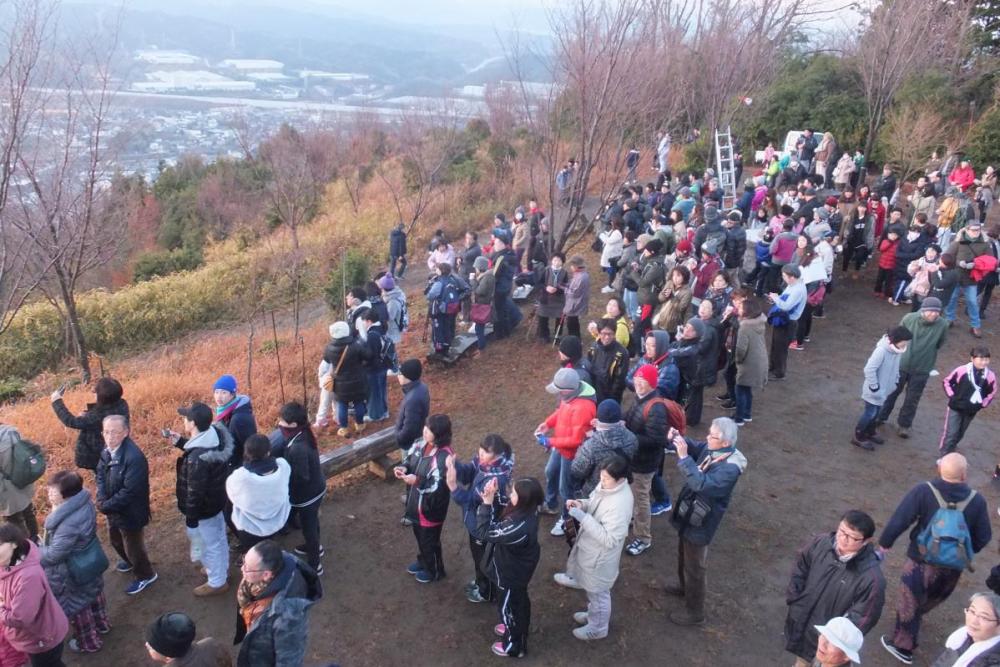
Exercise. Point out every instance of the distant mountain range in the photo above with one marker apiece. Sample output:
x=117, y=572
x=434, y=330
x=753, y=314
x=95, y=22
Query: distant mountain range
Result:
x=314, y=36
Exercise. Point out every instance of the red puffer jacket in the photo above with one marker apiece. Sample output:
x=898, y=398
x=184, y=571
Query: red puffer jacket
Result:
x=570, y=423
x=887, y=256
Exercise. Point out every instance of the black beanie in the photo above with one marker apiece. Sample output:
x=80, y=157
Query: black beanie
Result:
x=171, y=634
x=571, y=347
x=411, y=369
x=898, y=334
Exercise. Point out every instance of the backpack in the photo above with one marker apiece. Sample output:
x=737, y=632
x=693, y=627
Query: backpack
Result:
x=403, y=319
x=27, y=463
x=945, y=541
x=449, y=302
x=387, y=356
x=675, y=413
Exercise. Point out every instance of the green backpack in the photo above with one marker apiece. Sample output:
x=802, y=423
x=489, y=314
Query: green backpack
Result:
x=27, y=463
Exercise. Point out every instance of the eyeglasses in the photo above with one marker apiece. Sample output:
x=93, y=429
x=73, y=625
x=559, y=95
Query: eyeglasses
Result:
x=714, y=436
x=985, y=619
x=848, y=536
x=244, y=570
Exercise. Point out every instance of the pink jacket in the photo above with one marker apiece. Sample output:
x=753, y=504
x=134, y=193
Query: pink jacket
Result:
x=30, y=616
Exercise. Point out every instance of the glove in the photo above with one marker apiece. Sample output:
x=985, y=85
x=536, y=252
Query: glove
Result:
x=576, y=513
x=966, y=265
x=543, y=440
x=190, y=523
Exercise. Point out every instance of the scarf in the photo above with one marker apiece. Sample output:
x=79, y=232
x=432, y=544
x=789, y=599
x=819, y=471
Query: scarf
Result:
x=977, y=389
x=290, y=432
x=960, y=642
x=224, y=412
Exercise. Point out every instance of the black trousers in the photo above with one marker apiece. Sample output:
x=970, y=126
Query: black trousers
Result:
x=248, y=540
x=883, y=281
x=805, y=324
x=913, y=384
x=695, y=401
x=483, y=583
x=515, y=614
x=309, y=521
x=571, y=327
x=780, y=338
x=429, y=550
x=51, y=658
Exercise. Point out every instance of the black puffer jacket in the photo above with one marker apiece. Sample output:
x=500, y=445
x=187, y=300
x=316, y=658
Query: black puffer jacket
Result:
x=609, y=369
x=202, y=473
x=306, y=482
x=736, y=247
x=90, y=442
x=350, y=383
x=650, y=431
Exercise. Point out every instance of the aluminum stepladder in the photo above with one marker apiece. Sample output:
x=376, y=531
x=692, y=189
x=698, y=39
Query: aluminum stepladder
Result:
x=725, y=167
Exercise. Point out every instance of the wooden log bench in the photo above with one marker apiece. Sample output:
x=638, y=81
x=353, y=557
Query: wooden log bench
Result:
x=377, y=450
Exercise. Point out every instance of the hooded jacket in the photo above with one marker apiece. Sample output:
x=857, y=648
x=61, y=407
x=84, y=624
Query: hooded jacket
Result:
x=881, y=372
x=650, y=279
x=603, y=442
x=260, y=501
x=68, y=530
x=123, y=486
x=823, y=587
x=709, y=475
x=609, y=369
x=202, y=472
x=928, y=338
x=12, y=498
x=604, y=519
x=427, y=499
x=472, y=480
x=650, y=429
x=397, y=242
x=279, y=636
x=30, y=616
x=668, y=377
x=571, y=421
x=395, y=303
x=90, y=442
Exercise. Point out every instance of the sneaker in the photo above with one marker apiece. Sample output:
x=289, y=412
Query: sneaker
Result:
x=123, y=567
x=607, y=290
x=359, y=428
x=723, y=397
x=794, y=345
x=499, y=650
x=473, y=595
x=934, y=373
x=863, y=444
x=472, y=584
x=807, y=339
x=368, y=419
x=656, y=509
x=406, y=521
x=586, y=634
x=343, y=432
x=580, y=618
x=905, y=657
x=976, y=332
x=499, y=629
x=301, y=551
x=892, y=301
x=684, y=617
x=320, y=570
x=902, y=432
x=728, y=405
x=564, y=579
x=320, y=424
x=205, y=590
x=741, y=422
x=423, y=577
x=74, y=646
x=636, y=547
x=139, y=585
x=772, y=377
x=877, y=439
x=545, y=509
x=414, y=567
x=557, y=530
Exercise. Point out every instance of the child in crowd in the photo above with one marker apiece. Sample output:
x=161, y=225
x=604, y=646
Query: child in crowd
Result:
x=886, y=265
x=970, y=388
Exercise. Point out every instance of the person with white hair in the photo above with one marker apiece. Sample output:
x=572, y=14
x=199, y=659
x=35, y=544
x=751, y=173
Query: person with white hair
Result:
x=711, y=470
x=977, y=642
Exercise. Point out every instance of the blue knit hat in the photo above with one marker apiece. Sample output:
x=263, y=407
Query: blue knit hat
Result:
x=226, y=383
x=609, y=412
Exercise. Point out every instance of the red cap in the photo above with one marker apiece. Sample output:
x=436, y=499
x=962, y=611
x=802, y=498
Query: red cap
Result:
x=831, y=201
x=648, y=373
x=685, y=246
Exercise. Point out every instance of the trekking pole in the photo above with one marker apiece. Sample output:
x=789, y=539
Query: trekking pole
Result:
x=555, y=339
x=277, y=355
x=531, y=320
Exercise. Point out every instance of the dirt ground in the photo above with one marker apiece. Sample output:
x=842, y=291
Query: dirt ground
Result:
x=802, y=475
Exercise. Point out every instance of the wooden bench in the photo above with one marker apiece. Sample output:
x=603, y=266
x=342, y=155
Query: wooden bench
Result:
x=376, y=449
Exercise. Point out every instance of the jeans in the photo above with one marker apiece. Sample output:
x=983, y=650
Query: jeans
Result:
x=210, y=536
x=308, y=517
x=558, y=481
x=442, y=332
x=481, y=336
x=914, y=384
x=744, y=402
x=506, y=314
x=641, y=517
x=393, y=259
x=131, y=548
x=659, y=490
x=866, y=424
x=971, y=305
x=377, y=407
x=631, y=299
x=343, y=416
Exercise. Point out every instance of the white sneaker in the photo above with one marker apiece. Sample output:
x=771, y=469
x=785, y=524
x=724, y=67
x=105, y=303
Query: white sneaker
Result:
x=580, y=618
x=564, y=579
x=934, y=373
x=557, y=530
x=586, y=634
x=472, y=329
x=607, y=289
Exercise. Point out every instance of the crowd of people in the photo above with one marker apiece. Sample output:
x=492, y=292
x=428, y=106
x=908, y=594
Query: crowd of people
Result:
x=692, y=291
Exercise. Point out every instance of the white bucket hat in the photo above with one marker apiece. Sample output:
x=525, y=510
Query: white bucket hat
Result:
x=844, y=635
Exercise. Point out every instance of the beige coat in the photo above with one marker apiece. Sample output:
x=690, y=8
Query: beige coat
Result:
x=12, y=499
x=676, y=307
x=593, y=562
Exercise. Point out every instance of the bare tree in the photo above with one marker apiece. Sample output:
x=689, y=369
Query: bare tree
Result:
x=424, y=144
x=912, y=134
x=22, y=39
x=66, y=172
x=362, y=146
x=900, y=38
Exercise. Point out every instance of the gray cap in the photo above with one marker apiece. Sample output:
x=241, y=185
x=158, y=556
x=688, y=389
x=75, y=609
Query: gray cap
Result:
x=699, y=326
x=566, y=379
x=931, y=304
x=711, y=214
x=481, y=263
